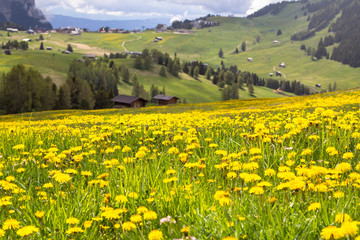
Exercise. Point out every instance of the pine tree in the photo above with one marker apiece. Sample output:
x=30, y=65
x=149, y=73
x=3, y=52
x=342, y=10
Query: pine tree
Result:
x=251, y=89
x=69, y=48
x=41, y=46
x=138, y=63
x=221, y=53
x=162, y=71
x=208, y=73
x=279, y=32
x=196, y=72
x=243, y=46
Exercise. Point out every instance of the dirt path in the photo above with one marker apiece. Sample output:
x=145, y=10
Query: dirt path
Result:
x=123, y=44
x=274, y=68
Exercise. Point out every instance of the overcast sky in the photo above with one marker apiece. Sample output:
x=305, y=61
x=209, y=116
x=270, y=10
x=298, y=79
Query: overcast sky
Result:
x=144, y=9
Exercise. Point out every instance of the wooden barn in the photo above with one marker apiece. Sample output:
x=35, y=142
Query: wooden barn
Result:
x=163, y=100
x=124, y=101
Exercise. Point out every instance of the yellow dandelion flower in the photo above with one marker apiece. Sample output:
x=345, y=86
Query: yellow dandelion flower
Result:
x=87, y=224
x=74, y=230
x=150, y=215
x=314, y=206
x=155, y=235
x=342, y=217
x=11, y=224
x=28, y=230
x=348, y=155
x=136, y=218
x=72, y=220
x=332, y=232
x=256, y=190
x=128, y=226
x=39, y=214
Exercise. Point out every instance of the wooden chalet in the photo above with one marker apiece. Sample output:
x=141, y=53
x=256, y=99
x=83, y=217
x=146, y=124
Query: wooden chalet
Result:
x=124, y=101
x=163, y=100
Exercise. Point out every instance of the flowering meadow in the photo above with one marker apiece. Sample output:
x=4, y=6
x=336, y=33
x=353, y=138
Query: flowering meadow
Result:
x=260, y=169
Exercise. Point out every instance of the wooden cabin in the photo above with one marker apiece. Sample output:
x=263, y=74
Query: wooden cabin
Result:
x=163, y=100
x=124, y=101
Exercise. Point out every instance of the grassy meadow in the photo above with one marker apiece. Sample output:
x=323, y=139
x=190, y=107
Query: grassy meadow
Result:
x=244, y=169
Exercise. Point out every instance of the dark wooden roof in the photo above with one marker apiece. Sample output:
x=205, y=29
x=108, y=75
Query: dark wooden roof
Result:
x=126, y=99
x=164, y=97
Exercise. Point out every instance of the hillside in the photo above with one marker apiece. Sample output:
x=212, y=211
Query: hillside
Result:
x=23, y=13
x=258, y=33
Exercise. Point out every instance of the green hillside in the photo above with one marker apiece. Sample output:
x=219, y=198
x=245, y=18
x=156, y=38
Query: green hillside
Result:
x=202, y=45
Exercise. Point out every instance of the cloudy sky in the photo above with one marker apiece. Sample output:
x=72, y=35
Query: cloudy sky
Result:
x=144, y=9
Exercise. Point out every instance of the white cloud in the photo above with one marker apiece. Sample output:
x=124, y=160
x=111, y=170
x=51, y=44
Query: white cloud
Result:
x=174, y=9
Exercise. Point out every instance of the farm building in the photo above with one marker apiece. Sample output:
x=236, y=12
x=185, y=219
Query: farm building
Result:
x=275, y=41
x=318, y=85
x=163, y=100
x=271, y=74
x=159, y=38
x=49, y=48
x=250, y=59
x=30, y=31
x=124, y=101
x=282, y=65
x=13, y=30
x=90, y=56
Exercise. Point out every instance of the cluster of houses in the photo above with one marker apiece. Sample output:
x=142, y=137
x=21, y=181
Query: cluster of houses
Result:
x=70, y=30
x=124, y=101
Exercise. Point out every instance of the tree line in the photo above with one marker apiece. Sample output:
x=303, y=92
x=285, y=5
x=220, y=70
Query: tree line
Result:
x=23, y=45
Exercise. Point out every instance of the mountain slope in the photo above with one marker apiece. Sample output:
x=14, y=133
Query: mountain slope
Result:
x=23, y=13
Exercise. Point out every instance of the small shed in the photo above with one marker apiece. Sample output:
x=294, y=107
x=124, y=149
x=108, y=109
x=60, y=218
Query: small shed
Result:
x=124, y=101
x=271, y=74
x=30, y=31
x=250, y=59
x=282, y=65
x=318, y=85
x=90, y=56
x=163, y=100
x=49, y=48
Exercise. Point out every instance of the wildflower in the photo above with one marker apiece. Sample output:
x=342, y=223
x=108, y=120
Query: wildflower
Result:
x=72, y=220
x=348, y=155
x=150, y=215
x=314, y=206
x=256, y=190
x=87, y=224
x=230, y=238
x=74, y=230
x=173, y=150
x=241, y=218
x=343, y=167
x=350, y=228
x=141, y=210
x=2, y=233
x=128, y=226
x=254, y=151
x=11, y=224
x=28, y=230
x=136, y=218
x=231, y=175
x=155, y=235
x=121, y=199
x=39, y=214
x=185, y=230
x=225, y=201
x=306, y=152
x=61, y=177
x=269, y=172
x=338, y=194
x=342, y=217
x=332, y=232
